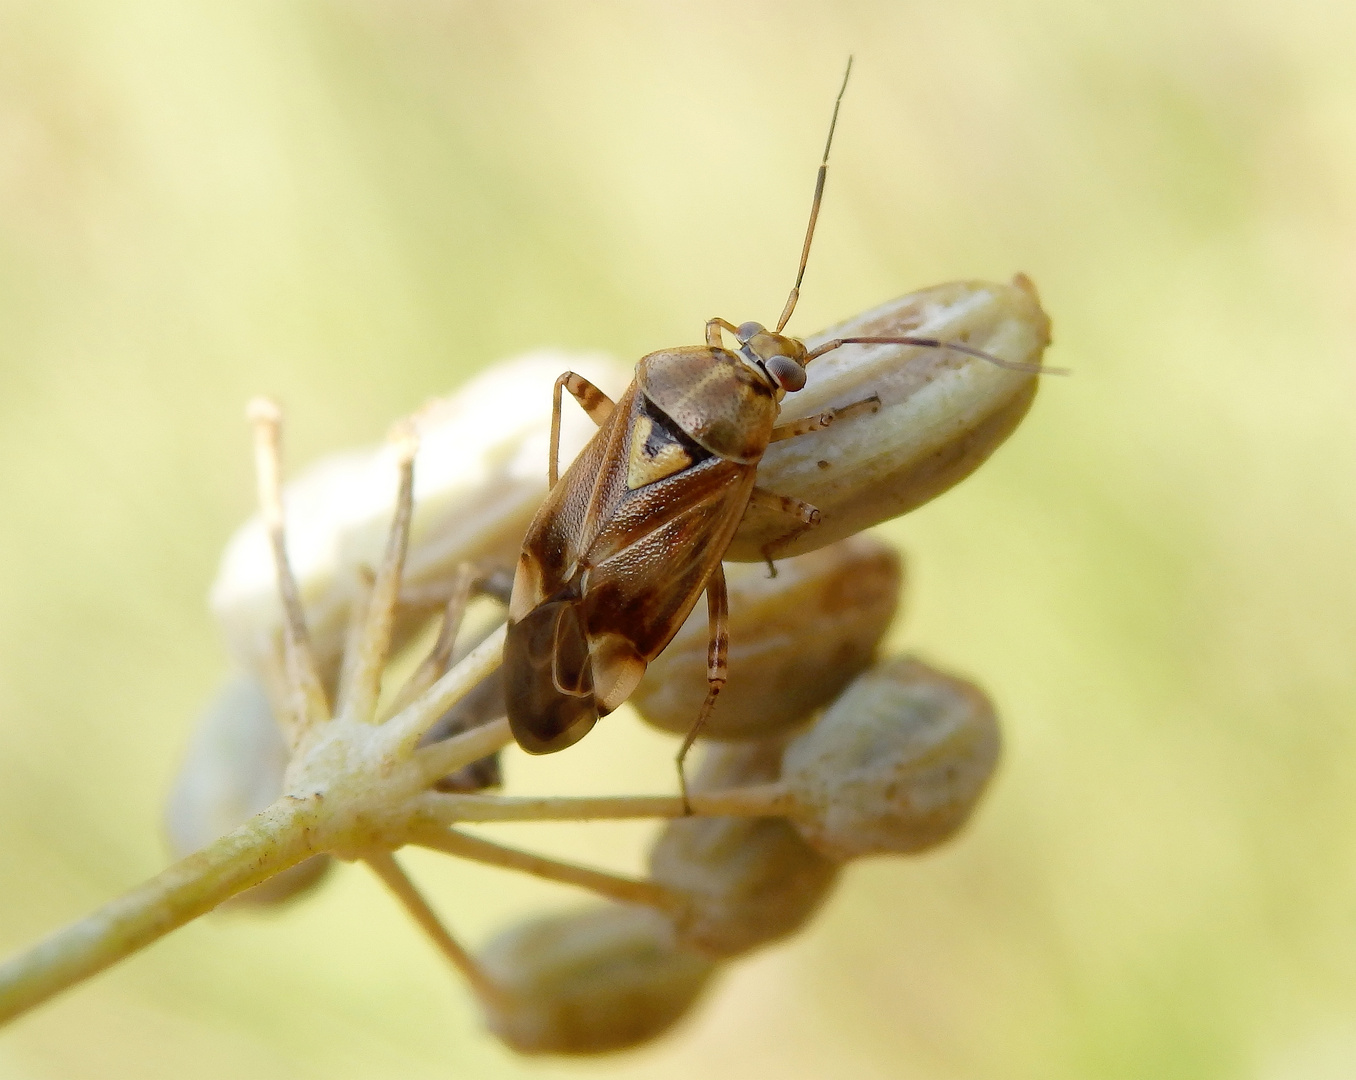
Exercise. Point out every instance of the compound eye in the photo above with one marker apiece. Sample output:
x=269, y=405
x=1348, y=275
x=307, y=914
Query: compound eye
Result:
x=789, y=375
x=747, y=330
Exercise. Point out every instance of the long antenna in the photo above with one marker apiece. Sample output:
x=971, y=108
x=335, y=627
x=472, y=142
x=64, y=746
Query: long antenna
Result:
x=814, y=206
x=935, y=343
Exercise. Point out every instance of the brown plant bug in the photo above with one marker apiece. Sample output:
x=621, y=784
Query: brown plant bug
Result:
x=634, y=532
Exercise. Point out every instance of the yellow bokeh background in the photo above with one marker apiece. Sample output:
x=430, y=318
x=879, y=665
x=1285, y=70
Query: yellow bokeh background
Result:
x=356, y=204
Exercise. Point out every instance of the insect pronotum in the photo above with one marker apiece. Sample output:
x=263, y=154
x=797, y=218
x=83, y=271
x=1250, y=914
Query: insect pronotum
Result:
x=631, y=536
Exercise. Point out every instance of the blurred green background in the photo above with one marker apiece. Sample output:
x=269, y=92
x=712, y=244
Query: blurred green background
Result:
x=355, y=204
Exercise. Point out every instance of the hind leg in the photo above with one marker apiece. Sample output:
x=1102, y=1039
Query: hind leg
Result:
x=717, y=653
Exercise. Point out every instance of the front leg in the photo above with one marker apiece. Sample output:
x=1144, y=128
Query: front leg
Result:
x=817, y=423
x=713, y=329
x=592, y=400
x=717, y=653
x=803, y=512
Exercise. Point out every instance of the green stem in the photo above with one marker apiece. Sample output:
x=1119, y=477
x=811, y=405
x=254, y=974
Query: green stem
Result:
x=624, y=890
x=265, y=845
x=754, y=800
x=393, y=875
x=404, y=730
x=448, y=756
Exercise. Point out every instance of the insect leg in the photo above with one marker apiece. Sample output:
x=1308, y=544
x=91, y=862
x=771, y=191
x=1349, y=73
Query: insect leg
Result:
x=824, y=419
x=713, y=329
x=717, y=651
x=807, y=515
x=592, y=400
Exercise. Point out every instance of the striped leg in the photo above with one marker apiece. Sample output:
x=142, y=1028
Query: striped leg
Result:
x=717, y=652
x=803, y=512
x=592, y=400
x=713, y=329
x=824, y=419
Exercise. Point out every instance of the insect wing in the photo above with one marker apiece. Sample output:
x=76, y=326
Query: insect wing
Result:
x=549, y=697
x=667, y=511
x=558, y=533
x=613, y=563
x=626, y=596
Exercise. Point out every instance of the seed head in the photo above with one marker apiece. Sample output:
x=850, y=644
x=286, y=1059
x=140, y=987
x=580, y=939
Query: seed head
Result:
x=796, y=640
x=942, y=413
x=314, y=601
x=602, y=979
x=895, y=765
x=752, y=880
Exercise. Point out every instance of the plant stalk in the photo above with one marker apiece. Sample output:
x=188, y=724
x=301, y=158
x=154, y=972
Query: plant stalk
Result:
x=265, y=845
x=754, y=800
